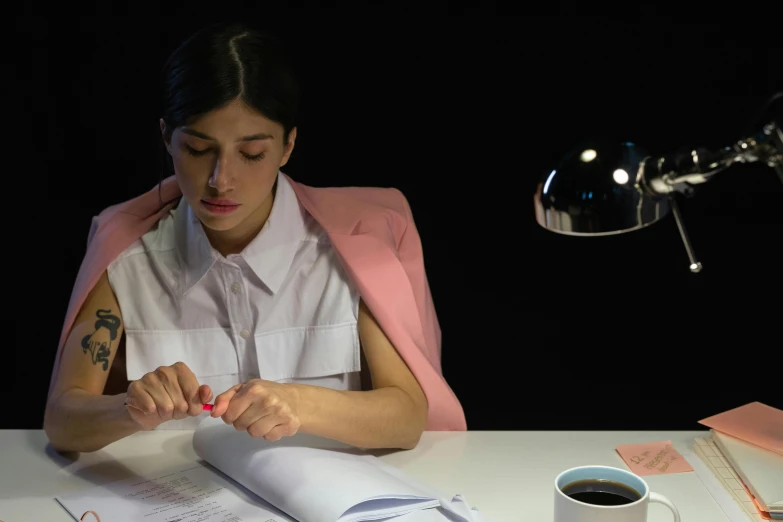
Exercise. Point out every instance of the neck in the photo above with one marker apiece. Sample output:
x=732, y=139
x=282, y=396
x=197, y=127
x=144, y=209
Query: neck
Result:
x=235, y=240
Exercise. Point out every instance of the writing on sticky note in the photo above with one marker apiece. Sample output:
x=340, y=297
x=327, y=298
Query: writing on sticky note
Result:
x=653, y=458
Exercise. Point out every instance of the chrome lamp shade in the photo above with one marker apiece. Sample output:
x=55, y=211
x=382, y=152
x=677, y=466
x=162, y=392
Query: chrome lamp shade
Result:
x=596, y=190
x=602, y=188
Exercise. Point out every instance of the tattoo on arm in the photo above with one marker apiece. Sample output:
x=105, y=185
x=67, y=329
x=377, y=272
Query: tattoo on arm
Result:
x=98, y=343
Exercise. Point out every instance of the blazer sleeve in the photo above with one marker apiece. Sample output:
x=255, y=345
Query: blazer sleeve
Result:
x=411, y=255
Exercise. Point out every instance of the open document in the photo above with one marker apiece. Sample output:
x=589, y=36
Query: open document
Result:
x=297, y=479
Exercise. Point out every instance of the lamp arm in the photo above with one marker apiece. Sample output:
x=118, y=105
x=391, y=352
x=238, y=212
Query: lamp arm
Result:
x=677, y=172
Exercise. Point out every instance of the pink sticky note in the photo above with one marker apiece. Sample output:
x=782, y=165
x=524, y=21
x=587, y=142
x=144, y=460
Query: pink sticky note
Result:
x=653, y=458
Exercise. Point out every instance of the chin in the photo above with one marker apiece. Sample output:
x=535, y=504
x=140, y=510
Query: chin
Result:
x=219, y=224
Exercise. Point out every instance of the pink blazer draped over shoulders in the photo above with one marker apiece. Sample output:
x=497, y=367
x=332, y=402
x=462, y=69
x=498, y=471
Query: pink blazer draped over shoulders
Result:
x=373, y=232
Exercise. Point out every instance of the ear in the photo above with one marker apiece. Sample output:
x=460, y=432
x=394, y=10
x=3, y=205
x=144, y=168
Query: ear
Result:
x=163, y=135
x=289, y=147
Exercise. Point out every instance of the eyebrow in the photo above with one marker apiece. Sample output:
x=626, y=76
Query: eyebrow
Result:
x=252, y=137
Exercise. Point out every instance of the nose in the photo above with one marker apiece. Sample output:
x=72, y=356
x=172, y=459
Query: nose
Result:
x=221, y=178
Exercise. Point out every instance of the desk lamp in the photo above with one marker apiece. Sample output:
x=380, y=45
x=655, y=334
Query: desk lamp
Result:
x=603, y=188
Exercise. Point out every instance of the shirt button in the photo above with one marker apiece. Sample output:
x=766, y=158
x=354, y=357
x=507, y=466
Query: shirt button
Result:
x=244, y=334
x=236, y=288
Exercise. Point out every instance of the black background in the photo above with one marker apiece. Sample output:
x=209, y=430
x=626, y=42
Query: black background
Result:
x=465, y=114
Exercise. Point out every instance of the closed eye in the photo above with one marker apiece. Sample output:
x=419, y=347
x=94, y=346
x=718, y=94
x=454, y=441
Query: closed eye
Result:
x=197, y=153
x=257, y=157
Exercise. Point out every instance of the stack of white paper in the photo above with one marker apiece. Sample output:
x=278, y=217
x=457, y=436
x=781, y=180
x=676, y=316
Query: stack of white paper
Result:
x=297, y=479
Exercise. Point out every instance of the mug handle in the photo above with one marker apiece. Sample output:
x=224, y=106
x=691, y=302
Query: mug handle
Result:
x=657, y=497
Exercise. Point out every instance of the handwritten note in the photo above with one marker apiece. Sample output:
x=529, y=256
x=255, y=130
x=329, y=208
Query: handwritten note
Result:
x=653, y=458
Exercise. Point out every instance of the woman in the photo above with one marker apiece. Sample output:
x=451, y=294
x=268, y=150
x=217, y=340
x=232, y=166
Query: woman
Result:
x=248, y=288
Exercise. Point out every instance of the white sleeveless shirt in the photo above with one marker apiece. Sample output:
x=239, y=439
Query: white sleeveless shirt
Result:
x=283, y=309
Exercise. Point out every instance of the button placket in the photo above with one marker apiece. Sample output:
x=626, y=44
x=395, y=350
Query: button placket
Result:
x=243, y=323
x=248, y=331
x=237, y=312
x=225, y=274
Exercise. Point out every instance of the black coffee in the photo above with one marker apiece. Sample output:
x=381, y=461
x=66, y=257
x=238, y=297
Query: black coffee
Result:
x=601, y=492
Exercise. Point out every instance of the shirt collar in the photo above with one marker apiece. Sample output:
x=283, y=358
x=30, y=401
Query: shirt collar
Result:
x=269, y=255
x=196, y=255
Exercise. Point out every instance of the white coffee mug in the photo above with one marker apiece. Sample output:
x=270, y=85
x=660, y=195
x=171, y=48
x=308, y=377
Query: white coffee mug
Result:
x=569, y=510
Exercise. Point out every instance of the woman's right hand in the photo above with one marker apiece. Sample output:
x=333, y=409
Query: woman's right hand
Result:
x=170, y=392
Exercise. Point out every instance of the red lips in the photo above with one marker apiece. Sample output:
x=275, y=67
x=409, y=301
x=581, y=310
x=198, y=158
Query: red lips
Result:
x=221, y=202
x=219, y=206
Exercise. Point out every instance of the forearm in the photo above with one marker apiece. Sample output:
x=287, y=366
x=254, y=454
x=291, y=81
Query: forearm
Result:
x=381, y=418
x=80, y=421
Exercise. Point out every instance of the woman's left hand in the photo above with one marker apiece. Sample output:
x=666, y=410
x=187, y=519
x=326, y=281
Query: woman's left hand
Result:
x=262, y=408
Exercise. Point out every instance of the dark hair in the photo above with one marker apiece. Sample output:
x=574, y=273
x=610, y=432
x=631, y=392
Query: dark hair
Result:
x=223, y=63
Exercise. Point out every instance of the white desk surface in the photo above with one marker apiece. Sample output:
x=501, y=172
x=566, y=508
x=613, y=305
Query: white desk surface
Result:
x=508, y=475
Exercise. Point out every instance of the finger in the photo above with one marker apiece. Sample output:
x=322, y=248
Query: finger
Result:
x=284, y=429
x=163, y=402
x=252, y=414
x=189, y=388
x=244, y=398
x=205, y=392
x=260, y=427
x=139, y=399
x=223, y=400
x=170, y=381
